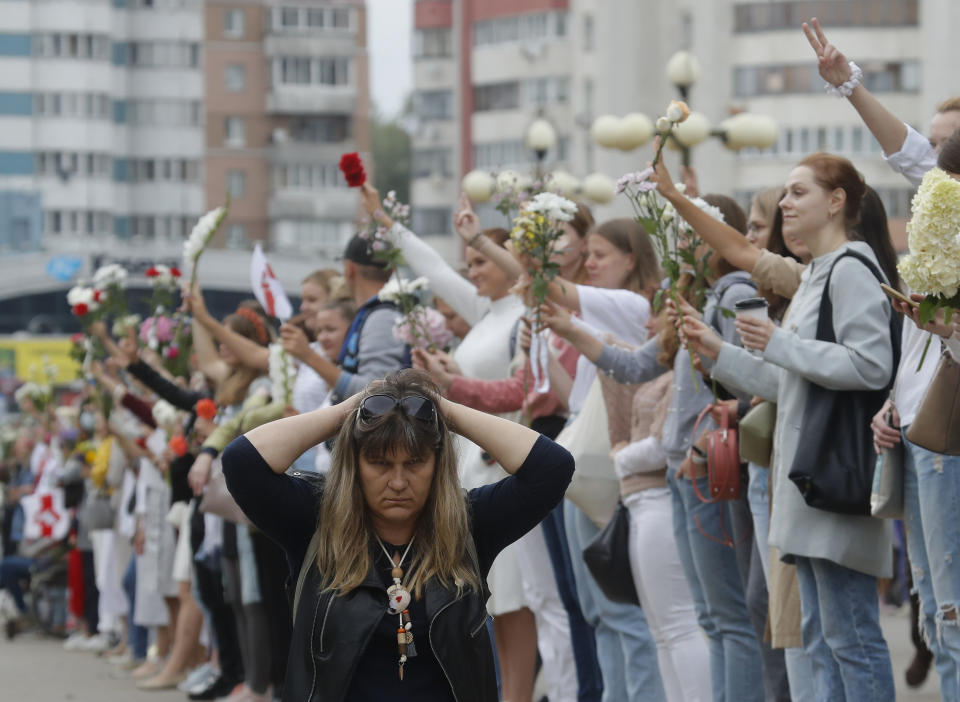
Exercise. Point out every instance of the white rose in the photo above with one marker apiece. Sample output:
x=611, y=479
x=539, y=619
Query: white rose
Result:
x=674, y=113
x=664, y=124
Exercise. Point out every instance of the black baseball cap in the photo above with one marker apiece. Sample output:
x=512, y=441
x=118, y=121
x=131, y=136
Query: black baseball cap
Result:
x=360, y=251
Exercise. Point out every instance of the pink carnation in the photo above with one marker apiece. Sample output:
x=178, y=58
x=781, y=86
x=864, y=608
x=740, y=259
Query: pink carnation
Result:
x=163, y=332
x=430, y=323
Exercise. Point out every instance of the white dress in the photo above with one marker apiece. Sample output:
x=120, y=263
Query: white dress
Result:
x=484, y=353
x=310, y=392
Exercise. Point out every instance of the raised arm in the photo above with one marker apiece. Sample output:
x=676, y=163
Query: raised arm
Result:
x=722, y=238
x=250, y=353
x=834, y=68
x=424, y=260
x=467, y=225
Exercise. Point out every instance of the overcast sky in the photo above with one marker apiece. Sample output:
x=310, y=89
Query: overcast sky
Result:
x=388, y=38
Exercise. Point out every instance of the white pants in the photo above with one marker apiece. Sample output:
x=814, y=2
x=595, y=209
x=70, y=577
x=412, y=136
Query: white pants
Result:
x=682, y=652
x=553, y=624
x=113, y=601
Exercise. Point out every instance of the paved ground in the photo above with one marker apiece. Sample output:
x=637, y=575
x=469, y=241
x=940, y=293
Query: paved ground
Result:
x=37, y=670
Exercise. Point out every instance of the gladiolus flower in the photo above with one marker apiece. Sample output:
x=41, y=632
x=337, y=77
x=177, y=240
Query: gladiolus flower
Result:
x=175, y=272
x=206, y=409
x=152, y=272
x=178, y=445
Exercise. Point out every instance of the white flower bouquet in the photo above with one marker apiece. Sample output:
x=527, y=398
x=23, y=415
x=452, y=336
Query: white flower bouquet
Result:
x=933, y=235
x=283, y=373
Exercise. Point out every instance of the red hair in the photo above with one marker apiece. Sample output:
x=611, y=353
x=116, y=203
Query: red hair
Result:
x=832, y=172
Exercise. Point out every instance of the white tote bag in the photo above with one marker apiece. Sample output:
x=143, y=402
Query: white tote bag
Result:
x=595, y=488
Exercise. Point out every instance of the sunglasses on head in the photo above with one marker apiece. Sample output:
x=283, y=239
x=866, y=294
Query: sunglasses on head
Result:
x=414, y=406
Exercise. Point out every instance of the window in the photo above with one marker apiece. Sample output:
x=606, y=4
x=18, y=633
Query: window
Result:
x=233, y=24
x=433, y=104
x=523, y=27
x=315, y=18
x=235, y=132
x=432, y=43
x=236, y=236
x=496, y=96
x=879, y=76
x=236, y=184
x=767, y=16
x=341, y=18
x=235, y=78
x=588, y=39
x=432, y=221
x=428, y=162
x=289, y=17
x=321, y=128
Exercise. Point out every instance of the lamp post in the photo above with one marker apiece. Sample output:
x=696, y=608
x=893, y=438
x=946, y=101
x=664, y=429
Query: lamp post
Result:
x=540, y=138
x=683, y=69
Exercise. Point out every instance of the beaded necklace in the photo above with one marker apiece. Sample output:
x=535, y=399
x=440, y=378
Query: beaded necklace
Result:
x=398, y=600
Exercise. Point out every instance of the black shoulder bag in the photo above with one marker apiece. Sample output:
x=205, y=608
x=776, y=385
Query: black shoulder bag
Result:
x=834, y=466
x=608, y=558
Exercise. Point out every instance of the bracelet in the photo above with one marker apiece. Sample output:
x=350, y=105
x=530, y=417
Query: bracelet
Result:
x=473, y=240
x=697, y=456
x=846, y=89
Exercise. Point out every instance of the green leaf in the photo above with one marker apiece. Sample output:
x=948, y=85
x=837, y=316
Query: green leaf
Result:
x=727, y=312
x=657, y=301
x=539, y=287
x=928, y=309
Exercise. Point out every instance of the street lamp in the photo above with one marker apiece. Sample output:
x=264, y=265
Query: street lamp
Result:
x=540, y=138
x=683, y=69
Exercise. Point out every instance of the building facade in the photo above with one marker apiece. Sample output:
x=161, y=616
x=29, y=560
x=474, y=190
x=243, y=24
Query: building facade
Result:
x=122, y=121
x=574, y=60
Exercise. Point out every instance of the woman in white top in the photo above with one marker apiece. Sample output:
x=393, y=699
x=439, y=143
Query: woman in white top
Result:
x=485, y=302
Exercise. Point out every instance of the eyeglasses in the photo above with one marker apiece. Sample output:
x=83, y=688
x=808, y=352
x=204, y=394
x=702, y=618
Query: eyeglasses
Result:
x=414, y=406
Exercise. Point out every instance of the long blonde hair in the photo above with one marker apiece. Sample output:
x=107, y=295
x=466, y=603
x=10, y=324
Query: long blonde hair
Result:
x=440, y=548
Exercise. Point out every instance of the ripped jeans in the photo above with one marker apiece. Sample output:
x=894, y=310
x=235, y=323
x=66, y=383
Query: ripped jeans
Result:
x=931, y=494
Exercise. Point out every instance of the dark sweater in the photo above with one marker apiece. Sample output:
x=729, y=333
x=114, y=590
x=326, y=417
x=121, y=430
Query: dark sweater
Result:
x=286, y=509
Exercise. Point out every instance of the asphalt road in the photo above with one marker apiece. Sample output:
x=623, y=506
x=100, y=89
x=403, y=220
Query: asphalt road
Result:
x=39, y=670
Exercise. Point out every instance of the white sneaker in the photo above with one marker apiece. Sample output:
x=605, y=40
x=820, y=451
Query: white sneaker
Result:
x=8, y=608
x=202, y=674
x=75, y=641
x=95, y=644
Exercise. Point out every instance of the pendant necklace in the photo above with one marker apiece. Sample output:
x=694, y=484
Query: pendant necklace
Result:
x=398, y=601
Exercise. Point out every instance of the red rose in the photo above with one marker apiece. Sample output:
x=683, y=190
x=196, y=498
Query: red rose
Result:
x=77, y=338
x=171, y=352
x=352, y=168
x=80, y=309
x=152, y=272
x=178, y=445
x=97, y=295
x=206, y=409
x=175, y=272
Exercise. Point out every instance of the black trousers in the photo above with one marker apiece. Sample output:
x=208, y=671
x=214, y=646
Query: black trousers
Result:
x=91, y=595
x=272, y=571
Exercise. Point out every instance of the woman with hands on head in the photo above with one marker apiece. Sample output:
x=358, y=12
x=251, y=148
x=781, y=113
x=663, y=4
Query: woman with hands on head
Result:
x=389, y=554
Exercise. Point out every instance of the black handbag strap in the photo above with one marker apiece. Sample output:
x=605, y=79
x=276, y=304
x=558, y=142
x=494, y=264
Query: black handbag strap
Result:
x=825, y=330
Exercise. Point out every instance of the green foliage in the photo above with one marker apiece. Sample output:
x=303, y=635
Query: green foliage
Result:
x=390, y=147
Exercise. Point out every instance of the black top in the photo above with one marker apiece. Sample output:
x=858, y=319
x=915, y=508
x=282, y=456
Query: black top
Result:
x=285, y=508
x=181, y=398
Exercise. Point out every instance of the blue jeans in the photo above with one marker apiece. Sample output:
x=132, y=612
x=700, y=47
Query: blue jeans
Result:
x=589, y=675
x=137, y=636
x=931, y=496
x=799, y=669
x=736, y=671
x=841, y=633
x=625, y=646
x=13, y=569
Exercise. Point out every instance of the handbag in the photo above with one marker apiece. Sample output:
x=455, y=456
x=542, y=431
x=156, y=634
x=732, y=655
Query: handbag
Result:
x=937, y=424
x=218, y=500
x=834, y=469
x=724, y=479
x=608, y=558
x=594, y=487
x=756, y=434
x=100, y=511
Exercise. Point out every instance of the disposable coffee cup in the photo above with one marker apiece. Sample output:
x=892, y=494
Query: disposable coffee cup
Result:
x=755, y=308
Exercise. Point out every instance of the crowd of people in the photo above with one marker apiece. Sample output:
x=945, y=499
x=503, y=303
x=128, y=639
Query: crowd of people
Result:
x=201, y=502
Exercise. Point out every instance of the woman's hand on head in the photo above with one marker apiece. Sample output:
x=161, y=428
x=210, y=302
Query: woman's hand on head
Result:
x=700, y=338
x=832, y=64
x=756, y=333
x=294, y=341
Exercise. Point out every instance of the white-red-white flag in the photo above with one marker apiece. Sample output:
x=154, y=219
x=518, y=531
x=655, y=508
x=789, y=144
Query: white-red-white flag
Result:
x=44, y=515
x=267, y=289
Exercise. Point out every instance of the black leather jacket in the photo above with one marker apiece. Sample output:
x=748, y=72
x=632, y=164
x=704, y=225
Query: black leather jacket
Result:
x=318, y=671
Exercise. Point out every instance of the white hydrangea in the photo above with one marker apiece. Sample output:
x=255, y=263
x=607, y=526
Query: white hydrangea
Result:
x=283, y=373
x=552, y=206
x=391, y=291
x=110, y=274
x=933, y=266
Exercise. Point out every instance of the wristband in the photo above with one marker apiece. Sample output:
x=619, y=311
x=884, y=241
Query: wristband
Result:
x=473, y=240
x=846, y=89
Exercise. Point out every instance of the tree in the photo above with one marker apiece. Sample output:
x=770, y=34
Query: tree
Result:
x=390, y=146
